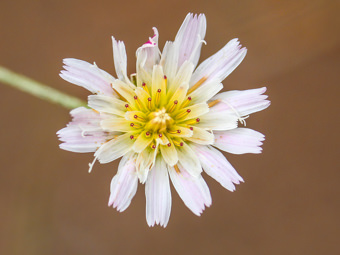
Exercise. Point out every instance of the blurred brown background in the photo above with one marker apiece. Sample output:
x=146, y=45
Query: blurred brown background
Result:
x=289, y=203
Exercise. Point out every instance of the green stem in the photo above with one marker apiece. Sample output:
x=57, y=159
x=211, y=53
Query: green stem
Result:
x=38, y=89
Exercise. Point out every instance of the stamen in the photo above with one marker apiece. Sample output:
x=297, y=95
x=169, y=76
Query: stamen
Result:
x=183, y=114
x=177, y=169
x=147, y=134
x=145, y=88
x=169, y=144
x=178, y=131
x=135, y=125
x=191, y=128
x=160, y=135
x=165, y=83
x=127, y=107
x=178, y=143
x=186, y=102
x=132, y=137
x=149, y=103
x=158, y=96
x=153, y=146
x=211, y=104
x=137, y=102
x=192, y=122
x=139, y=118
x=172, y=108
x=199, y=83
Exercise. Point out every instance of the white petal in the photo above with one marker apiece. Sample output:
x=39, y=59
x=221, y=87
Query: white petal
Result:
x=217, y=166
x=190, y=38
x=221, y=64
x=151, y=50
x=239, y=141
x=124, y=184
x=193, y=190
x=244, y=102
x=221, y=120
x=169, y=154
x=107, y=104
x=115, y=148
x=145, y=161
x=89, y=76
x=120, y=59
x=158, y=195
x=188, y=159
x=169, y=60
x=83, y=133
x=183, y=76
x=205, y=92
x=201, y=136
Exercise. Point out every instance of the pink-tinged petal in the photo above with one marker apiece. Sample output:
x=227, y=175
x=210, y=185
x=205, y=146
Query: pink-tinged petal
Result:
x=221, y=64
x=239, y=141
x=89, y=76
x=83, y=133
x=149, y=52
x=124, y=184
x=190, y=38
x=158, y=195
x=243, y=102
x=217, y=166
x=193, y=190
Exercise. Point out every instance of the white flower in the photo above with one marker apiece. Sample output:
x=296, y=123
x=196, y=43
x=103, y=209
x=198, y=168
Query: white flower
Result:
x=165, y=121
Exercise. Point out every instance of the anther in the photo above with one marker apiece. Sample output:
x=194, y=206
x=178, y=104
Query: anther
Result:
x=198, y=120
x=145, y=88
x=191, y=128
x=181, y=144
x=173, y=106
x=127, y=107
x=199, y=83
x=177, y=169
x=211, y=104
x=169, y=144
x=158, y=96
x=132, y=137
x=137, y=102
x=160, y=135
x=147, y=134
x=153, y=146
x=186, y=102
x=149, y=102
x=178, y=131
x=132, y=124
x=183, y=114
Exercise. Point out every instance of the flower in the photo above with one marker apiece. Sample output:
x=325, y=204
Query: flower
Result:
x=165, y=121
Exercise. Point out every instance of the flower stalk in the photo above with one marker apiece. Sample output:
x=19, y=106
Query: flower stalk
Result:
x=38, y=89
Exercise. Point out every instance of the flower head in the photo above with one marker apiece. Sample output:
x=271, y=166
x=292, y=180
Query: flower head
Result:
x=165, y=120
